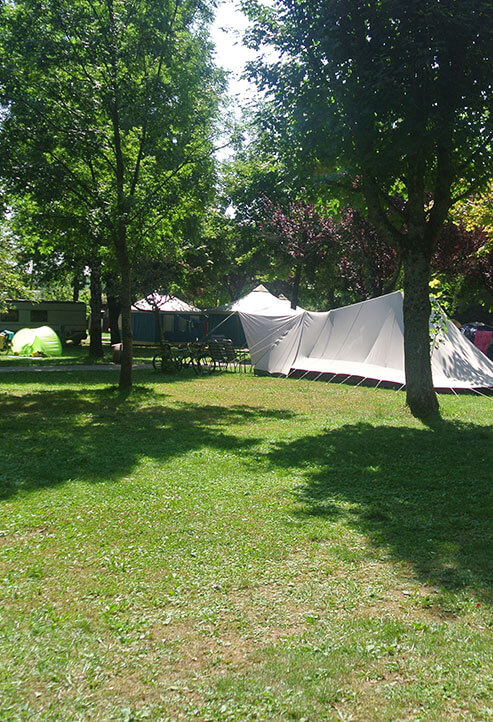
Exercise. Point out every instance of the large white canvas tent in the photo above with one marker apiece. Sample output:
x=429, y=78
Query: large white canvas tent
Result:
x=224, y=320
x=260, y=300
x=364, y=341
x=165, y=304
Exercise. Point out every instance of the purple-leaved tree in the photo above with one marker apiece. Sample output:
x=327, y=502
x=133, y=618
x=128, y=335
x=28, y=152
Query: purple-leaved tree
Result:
x=303, y=233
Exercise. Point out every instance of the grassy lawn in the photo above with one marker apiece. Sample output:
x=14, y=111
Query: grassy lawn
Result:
x=75, y=355
x=242, y=548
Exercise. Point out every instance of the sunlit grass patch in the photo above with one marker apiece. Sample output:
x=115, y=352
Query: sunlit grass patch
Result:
x=235, y=547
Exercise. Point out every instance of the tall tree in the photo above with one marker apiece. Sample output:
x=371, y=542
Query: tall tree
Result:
x=113, y=101
x=304, y=235
x=367, y=264
x=396, y=95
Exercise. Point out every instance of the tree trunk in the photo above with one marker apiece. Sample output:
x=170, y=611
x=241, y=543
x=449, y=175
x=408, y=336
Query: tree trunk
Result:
x=114, y=308
x=420, y=394
x=125, y=298
x=296, y=286
x=120, y=230
x=95, y=337
x=76, y=288
x=159, y=328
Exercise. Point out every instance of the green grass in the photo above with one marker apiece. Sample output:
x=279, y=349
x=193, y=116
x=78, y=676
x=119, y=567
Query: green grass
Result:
x=241, y=548
x=75, y=355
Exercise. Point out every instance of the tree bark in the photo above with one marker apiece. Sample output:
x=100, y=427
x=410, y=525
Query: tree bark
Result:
x=127, y=343
x=76, y=288
x=296, y=286
x=95, y=337
x=114, y=308
x=420, y=394
x=120, y=230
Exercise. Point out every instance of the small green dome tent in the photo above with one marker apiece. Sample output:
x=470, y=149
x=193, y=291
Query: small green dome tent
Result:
x=29, y=341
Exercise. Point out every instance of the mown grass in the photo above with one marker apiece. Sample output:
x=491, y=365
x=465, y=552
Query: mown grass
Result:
x=75, y=355
x=239, y=548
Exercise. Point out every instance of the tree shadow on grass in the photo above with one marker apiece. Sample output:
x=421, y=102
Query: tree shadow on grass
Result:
x=52, y=438
x=425, y=495
x=89, y=378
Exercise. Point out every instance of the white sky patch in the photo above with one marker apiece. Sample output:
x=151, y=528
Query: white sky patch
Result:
x=227, y=31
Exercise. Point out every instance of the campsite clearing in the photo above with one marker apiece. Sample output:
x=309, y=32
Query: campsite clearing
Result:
x=74, y=355
x=234, y=548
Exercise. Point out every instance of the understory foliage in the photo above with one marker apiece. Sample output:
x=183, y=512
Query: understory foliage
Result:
x=463, y=270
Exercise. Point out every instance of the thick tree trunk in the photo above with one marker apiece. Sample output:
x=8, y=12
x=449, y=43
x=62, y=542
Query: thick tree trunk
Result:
x=114, y=309
x=420, y=394
x=95, y=337
x=296, y=286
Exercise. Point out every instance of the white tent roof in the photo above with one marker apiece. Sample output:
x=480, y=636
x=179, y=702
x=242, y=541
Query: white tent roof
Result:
x=260, y=300
x=364, y=340
x=164, y=303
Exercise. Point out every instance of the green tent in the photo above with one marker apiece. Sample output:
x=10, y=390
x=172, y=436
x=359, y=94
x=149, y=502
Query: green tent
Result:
x=29, y=341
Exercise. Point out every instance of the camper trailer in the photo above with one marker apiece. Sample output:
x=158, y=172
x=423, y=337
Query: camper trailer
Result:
x=66, y=318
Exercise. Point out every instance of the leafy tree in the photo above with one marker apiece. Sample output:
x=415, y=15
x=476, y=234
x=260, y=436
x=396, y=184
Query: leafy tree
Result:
x=397, y=96
x=12, y=283
x=476, y=211
x=241, y=250
x=111, y=283
x=253, y=174
x=157, y=276
x=111, y=104
x=304, y=235
x=367, y=264
x=463, y=267
x=459, y=251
